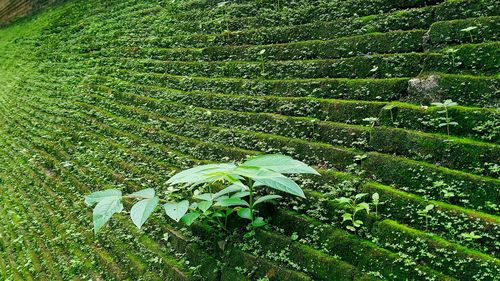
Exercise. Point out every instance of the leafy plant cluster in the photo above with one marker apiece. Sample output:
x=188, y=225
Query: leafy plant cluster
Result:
x=239, y=196
x=354, y=205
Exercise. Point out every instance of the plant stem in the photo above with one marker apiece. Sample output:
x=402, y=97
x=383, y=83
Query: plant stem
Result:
x=250, y=186
x=447, y=120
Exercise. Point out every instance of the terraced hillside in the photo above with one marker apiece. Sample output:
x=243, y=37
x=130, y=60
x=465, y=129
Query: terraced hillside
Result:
x=100, y=94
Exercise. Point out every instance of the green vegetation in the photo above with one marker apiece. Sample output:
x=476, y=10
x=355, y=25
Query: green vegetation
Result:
x=216, y=208
x=130, y=105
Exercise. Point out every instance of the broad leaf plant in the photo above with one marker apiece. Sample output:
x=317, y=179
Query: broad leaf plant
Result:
x=237, y=185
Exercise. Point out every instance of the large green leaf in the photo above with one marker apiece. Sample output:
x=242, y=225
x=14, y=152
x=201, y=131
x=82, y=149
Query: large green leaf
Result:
x=228, y=202
x=266, y=198
x=176, y=210
x=202, y=174
x=245, y=213
x=189, y=218
x=282, y=184
x=230, y=189
x=145, y=193
x=98, y=196
x=270, y=178
x=104, y=210
x=280, y=164
x=256, y=172
x=205, y=196
x=141, y=211
x=204, y=205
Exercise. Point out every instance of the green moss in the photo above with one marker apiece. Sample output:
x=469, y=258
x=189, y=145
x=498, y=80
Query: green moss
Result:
x=259, y=267
x=319, y=265
x=404, y=207
x=365, y=255
x=473, y=264
x=446, y=33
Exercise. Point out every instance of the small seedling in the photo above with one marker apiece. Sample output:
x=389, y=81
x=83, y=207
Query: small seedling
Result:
x=451, y=53
x=470, y=236
x=444, y=189
x=262, y=62
x=209, y=117
x=425, y=213
x=389, y=108
x=353, y=207
x=446, y=120
x=314, y=123
x=376, y=202
x=492, y=206
x=371, y=121
x=469, y=30
x=225, y=14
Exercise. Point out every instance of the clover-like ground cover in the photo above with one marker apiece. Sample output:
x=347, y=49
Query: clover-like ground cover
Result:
x=121, y=94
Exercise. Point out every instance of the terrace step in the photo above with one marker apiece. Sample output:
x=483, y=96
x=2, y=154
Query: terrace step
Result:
x=401, y=142
x=402, y=115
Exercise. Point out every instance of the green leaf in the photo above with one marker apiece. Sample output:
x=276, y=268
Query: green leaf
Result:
x=450, y=103
x=204, y=196
x=360, y=195
x=357, y=223
x=280, y=164
x=218, y=214
x=258, y=222
x=429, y=207
x=294, y=236
x=346, y=217
x=343, y=200
x=249, y=234
x=145, y=193
x=141, y=211
x=389, y=107
x=202, y=174
x=266, y=198
x=230, y=189
x=282, y=184
x=245, y=213
x=228, y=202
x=240, y=194
x=364, y=206
x=189, y=218
x=104, y=210
x=176, y=210
x=98, y=196
x=204, y=205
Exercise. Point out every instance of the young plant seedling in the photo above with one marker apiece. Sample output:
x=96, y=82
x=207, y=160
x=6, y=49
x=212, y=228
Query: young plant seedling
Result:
x=444, y=189
x=223, y=6
x=446, y=120
x=425, y=214
x=470, y=236
x=371, y=122
x=352, y=209
x=451, y=53
x=376, y=202
x=469, y=30
x=262, y=62
x=242, y=180
x=389, y=108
